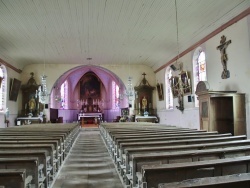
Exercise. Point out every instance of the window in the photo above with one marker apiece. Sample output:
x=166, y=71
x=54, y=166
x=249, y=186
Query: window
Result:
x=3, y=88
x=199, y=69
x=64, y=95
x=169, y=94
x=115, y=95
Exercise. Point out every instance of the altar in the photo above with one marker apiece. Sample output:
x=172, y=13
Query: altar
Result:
x=89, y=118
x=28, y=120
x=151, y=119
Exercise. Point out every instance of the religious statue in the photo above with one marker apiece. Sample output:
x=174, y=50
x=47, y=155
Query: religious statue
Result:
x=222, y=47
x=32, y=80
x=144, y=102
x=32, y=104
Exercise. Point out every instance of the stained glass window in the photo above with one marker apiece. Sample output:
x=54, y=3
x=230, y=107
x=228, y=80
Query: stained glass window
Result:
x=199, y=69
x=64, y=95
x=115, y=95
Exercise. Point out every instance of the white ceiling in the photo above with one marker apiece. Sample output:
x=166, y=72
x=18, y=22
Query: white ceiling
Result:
x=108, y=31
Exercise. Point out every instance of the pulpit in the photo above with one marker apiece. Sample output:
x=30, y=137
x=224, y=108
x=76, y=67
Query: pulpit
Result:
x=222, y=111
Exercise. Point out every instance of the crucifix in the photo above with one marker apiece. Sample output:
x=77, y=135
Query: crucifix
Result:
x=222, y=47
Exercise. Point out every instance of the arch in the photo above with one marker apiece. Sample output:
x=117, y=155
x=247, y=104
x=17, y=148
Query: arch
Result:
x=199, y=69
x=75, y=74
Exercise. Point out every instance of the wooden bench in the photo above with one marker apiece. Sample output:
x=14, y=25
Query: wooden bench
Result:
x=111, y=141
x=130, y=152
x=167, y=138
x=138, y=145
x=48, y=147
x=67, y=135
x=117, y=139
x=229, y=181
x=152, y=175
x=139, y=160
x=53, y=140
x=42, y=155
x=14, y=178
x=59, y=152
x=30, y=164
x=112, y=145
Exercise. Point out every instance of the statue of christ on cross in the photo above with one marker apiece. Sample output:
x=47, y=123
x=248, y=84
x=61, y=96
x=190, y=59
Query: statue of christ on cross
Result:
x=222, y=47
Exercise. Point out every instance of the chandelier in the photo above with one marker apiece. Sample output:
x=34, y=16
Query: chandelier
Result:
x=129, y=91
x=180, y=90
x=42, y=90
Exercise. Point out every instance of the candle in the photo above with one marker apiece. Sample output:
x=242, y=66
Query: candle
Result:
x=139, y=105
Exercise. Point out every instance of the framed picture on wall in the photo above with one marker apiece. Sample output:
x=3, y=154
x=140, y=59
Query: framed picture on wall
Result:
x=90, y=86
x=185, y=82
x=160, y=91
x=15, y=86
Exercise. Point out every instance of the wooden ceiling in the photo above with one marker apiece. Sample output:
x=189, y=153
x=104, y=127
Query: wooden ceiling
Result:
x=112, y=32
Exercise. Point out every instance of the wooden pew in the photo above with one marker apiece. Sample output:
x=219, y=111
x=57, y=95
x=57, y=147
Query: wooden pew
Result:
x=152, y=175
x=48, y=147
x=14, y=178
x=42, y=155
x=138, y=145
x=117, y=139
x=144, y=151
x=68, y=132
x=59, y=151
x=37, y=136
x=139, y=160
x=30, y=164
x=111, y=141
x=63, y=145
x=228, y=181
x=162, y=140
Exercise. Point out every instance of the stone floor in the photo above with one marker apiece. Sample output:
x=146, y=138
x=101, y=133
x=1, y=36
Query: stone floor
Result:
x=88, y=164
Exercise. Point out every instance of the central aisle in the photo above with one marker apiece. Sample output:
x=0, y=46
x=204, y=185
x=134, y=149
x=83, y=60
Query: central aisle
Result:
x=88, y=164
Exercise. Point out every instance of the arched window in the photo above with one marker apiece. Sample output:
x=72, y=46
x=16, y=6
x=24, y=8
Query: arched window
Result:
x=169, y=94
x=115, y=95
x=3, y=88
x=199, y=69
x=64, y=95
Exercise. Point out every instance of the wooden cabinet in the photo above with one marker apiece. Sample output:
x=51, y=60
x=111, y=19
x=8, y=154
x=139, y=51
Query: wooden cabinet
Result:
x=144, y=99
x=222, y=111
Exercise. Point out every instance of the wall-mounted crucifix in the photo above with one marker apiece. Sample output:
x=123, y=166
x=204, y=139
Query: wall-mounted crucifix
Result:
x=222, y=47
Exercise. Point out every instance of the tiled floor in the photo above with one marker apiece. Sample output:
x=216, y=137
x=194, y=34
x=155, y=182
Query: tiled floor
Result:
x=88, y=165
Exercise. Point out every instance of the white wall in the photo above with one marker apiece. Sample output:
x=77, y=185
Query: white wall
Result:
x=238, y=64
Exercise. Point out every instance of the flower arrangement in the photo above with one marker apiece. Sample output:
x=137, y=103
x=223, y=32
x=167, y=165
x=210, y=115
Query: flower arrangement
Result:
x=146, y=113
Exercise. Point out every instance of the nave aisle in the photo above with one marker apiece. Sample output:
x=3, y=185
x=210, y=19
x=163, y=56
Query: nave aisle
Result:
x=88, y=164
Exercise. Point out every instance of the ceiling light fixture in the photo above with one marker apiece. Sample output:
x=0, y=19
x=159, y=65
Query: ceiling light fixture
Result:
x=180, y=90
x=42, y=90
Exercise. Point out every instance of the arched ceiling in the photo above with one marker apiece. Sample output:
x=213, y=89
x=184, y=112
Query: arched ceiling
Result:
x=75, y=74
